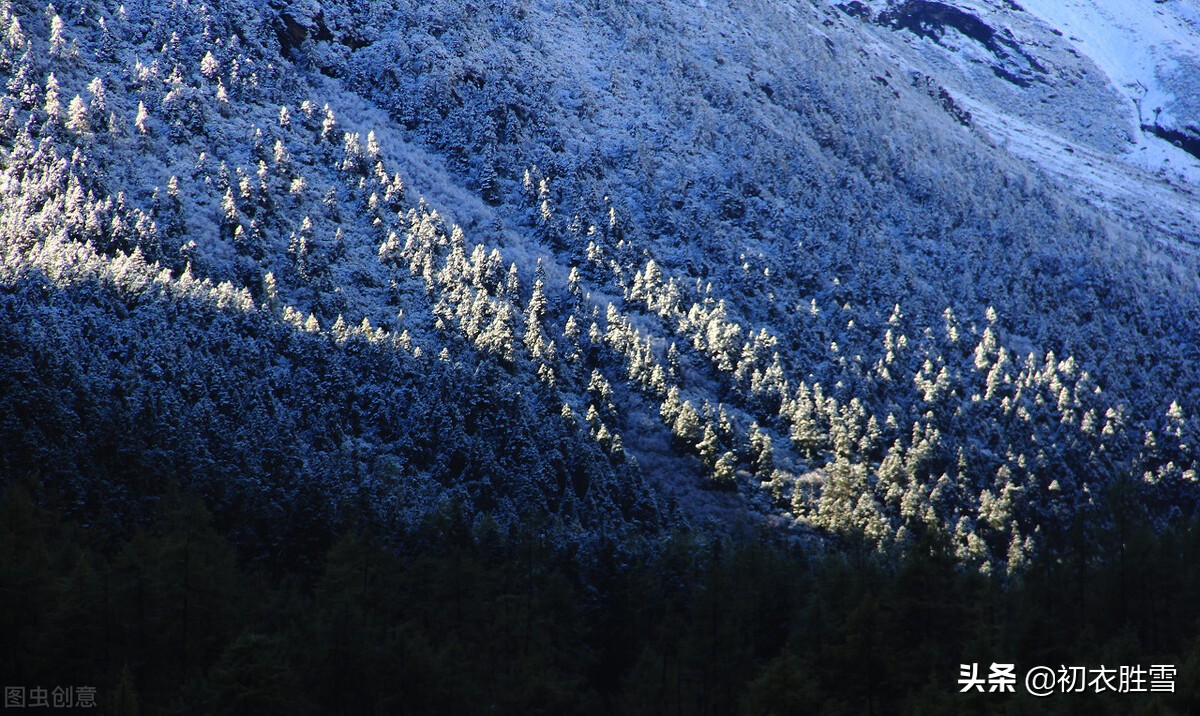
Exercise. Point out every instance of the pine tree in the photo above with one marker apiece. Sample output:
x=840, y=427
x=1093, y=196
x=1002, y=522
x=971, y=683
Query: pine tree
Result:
x=762, y=455
x=52, y=106
x=535, y=341
x=489, y=179
x=686, y=426
x=209, y=67
x=77, y=116
x=708, y=447
x=98, y=104
x=58, y=40
x=231, y=215
x=141, y=118
x=723, y=475
x=124, y=698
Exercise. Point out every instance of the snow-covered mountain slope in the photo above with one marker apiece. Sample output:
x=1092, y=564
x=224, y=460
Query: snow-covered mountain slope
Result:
x=607, y=264
x=1102, y=94
x=1149, y=51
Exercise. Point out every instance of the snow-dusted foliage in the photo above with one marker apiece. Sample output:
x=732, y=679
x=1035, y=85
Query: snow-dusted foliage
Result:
x=578, y=259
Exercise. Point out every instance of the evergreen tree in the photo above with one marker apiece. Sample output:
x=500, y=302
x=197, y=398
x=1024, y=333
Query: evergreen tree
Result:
x=124, y=698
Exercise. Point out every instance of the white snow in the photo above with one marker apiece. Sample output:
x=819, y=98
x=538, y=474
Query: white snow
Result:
x=1149, y=52
x=1135, y=44
x=1139, y=193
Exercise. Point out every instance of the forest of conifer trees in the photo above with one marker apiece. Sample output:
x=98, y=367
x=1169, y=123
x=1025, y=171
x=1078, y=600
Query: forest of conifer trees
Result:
x=584, y=359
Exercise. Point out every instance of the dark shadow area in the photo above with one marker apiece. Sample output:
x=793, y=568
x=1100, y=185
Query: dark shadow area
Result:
x=461, y=616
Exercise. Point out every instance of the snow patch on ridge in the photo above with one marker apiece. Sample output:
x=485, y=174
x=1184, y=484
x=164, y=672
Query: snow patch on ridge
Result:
x=1150, y=51
x=1113, y=112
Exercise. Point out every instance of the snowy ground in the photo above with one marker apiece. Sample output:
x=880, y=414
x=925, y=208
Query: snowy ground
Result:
x=1081, y=126
x=1147, y=50
x=1135, y=43
x=1160, y=197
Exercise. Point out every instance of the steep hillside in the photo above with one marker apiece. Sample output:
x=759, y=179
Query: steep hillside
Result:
x=1099, y=94
x=621, y=266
